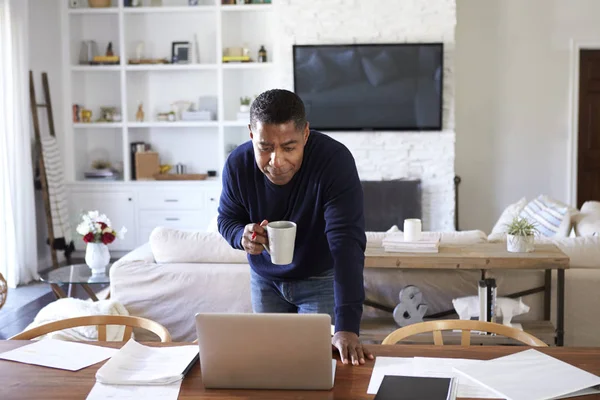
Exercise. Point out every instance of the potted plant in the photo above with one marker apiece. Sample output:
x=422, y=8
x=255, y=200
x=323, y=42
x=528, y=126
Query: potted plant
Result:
x=520, y=235
x=97, y=232
x=245, y=104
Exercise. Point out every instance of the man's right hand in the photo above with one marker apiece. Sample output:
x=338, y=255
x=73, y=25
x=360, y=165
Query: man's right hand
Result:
x=254, y=237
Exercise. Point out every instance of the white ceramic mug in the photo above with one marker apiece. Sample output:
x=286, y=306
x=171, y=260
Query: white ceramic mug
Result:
x=412, y=230
x=282, y=238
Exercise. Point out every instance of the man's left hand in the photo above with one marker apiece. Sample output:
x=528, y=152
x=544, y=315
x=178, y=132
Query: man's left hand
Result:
x=350, y=348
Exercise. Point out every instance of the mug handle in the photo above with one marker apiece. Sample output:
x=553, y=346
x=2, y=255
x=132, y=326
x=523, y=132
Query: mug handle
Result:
x=267, y=248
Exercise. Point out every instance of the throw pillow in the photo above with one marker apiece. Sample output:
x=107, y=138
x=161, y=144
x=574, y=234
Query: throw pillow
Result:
x=549, y=218
x=587, y=222
x=507, y=216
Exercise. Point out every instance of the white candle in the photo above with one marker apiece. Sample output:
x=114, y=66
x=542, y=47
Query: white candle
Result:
x=412, y=230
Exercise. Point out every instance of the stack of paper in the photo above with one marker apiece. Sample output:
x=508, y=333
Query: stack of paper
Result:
x=531, y=375
x=138, y=371
x=394, y=242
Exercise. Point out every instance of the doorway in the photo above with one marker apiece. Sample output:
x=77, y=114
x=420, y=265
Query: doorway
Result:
x=588, y=147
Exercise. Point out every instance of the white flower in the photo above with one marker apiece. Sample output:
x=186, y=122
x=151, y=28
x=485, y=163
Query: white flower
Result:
x=93, y=215
x=121, y=233
x=83, y=228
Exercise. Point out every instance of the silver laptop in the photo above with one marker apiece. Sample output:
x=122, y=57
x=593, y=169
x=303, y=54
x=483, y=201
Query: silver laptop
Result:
x=266, y=351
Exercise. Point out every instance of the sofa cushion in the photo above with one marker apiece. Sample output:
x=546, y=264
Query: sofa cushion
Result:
x=550, y=218
x=587, y=222
x=507, y=216
x=179, y=246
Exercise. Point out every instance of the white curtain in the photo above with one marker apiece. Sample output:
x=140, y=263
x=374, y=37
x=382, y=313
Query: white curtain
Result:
x=18, y=235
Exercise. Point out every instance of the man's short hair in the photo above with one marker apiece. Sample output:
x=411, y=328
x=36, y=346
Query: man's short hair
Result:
x=278, y=106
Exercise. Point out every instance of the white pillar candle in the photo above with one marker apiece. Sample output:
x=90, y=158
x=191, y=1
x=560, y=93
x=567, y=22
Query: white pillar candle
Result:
x=412, y=230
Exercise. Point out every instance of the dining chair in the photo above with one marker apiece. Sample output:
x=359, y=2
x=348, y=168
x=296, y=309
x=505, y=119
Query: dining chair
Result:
x=466, y=327
x=101, y=321
x=3, y=290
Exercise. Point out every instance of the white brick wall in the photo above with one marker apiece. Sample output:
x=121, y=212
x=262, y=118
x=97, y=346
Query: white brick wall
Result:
x=386, y=155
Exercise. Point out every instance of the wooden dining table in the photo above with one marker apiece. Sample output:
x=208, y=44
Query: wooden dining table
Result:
x=24, y=381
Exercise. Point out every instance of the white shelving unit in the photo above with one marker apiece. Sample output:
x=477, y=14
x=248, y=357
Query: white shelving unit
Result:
x=200, y=145
x=157, y=86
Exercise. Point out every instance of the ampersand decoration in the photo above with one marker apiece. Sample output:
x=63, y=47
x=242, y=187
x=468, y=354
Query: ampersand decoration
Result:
x=411, y=308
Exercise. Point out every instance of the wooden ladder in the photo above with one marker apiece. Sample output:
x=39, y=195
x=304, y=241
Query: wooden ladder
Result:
x=38, y=150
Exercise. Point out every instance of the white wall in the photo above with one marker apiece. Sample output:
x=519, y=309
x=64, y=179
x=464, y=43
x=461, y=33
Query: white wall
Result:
x=45, y=55
x=512, y=100
x=429, y=156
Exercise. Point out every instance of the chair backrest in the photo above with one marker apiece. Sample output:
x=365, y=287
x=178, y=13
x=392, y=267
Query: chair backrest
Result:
x=101, y=321
x=465, y=326
x=3, y=290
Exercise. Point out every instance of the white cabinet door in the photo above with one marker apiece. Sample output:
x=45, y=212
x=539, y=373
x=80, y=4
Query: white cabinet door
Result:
x=119, y=207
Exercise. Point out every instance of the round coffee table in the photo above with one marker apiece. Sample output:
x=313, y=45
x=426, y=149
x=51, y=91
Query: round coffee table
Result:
x=77, y=274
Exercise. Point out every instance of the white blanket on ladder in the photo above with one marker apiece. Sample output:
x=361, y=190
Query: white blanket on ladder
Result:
x=71, y=308
x=56, y=189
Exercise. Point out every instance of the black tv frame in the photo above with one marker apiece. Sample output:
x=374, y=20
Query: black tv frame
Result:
x=437, y=128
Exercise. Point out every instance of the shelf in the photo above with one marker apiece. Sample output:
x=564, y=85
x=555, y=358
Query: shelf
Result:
x=182, y=9
x=247, y=7
x=249, y=65
x=175, y=124
x=171, y=67
x=95, y=68
x=235, y=123
x=88, y=11
x=97, y=125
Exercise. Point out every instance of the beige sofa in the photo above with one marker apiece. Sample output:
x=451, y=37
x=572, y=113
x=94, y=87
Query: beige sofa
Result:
x=179, y=273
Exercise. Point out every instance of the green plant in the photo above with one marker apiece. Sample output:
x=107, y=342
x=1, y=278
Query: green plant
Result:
x=245, y=101
x=519, y=226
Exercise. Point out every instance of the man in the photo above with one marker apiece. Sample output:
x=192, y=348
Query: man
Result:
x=287, y=172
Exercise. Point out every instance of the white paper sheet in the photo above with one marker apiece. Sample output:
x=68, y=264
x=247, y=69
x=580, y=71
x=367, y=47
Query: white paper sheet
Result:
x=60, y=354
x=136, y=364
x=443, y=368
x=399, y=366
x=529, y=375
x=131, y=392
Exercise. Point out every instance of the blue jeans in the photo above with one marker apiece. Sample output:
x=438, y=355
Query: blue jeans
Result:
x=312, y=295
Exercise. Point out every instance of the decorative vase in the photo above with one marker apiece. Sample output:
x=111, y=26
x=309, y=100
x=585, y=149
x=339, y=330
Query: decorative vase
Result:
x=244, y=108
x=97, y=258
x=519, y=244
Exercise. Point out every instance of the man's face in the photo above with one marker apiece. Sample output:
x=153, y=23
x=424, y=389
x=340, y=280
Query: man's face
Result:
x=278, y=149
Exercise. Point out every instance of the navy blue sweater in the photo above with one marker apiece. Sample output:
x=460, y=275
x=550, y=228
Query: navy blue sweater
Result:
x=324, y=199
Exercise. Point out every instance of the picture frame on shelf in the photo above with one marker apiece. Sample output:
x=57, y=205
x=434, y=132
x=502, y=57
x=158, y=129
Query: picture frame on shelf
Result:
x=180, y=52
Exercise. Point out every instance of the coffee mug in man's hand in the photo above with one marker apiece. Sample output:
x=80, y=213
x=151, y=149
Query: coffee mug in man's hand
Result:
x=282, y=237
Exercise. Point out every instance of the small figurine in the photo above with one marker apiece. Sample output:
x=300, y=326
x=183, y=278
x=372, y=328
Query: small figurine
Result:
x=109, y=50
x=139, y=115
x=86, y=115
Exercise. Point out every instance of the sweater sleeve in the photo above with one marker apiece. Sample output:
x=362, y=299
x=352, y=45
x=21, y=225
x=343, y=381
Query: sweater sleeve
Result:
x=232, y=213
x=345, y=230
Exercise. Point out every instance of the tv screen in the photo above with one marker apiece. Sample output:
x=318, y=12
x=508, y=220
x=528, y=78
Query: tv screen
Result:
x=371, y=86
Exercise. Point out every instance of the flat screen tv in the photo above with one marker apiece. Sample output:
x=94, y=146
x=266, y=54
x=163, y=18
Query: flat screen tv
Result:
x=371, y=86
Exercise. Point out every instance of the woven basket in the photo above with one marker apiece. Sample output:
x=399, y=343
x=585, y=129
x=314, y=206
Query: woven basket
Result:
x=99, y=3
x=3, y=290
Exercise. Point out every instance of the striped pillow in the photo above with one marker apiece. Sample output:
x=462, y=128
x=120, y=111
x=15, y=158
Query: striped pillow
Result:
x=547, y=216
